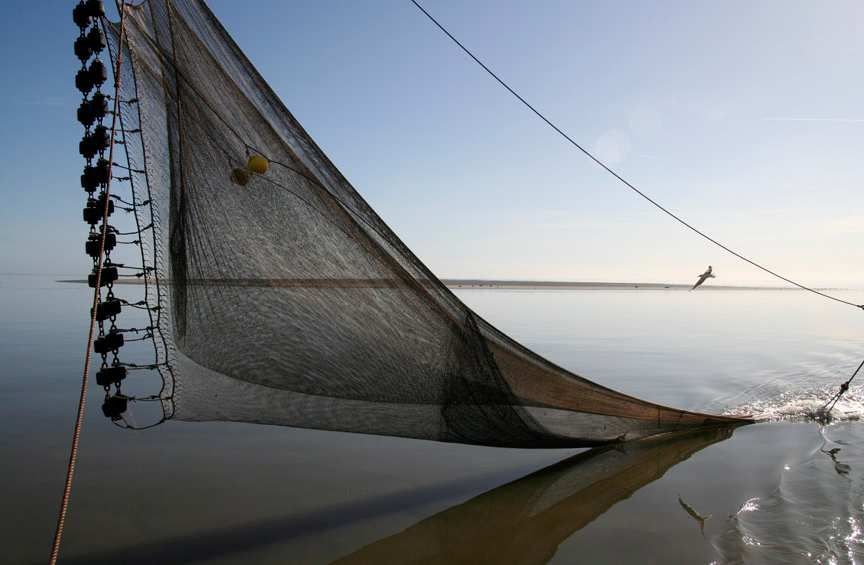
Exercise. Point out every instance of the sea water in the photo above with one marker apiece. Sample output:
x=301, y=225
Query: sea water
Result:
x=783, y=491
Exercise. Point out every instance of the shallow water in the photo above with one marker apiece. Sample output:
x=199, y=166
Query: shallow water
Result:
x=776, y=492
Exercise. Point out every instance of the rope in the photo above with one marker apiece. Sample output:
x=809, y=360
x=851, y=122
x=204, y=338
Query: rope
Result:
x=826, y=410
x=82, y=399
x=617, y=176
x=138, y=232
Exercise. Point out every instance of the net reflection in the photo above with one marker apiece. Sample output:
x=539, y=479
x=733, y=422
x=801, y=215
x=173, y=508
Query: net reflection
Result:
x=526, y=520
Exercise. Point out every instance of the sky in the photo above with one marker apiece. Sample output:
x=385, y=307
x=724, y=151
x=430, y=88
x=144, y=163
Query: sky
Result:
x=746, y=118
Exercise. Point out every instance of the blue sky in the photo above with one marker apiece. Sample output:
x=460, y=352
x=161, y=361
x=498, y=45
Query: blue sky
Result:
x=747, y=118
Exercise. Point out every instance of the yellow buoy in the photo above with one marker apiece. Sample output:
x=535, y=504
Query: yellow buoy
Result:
x=257, y=164
x=240, y=176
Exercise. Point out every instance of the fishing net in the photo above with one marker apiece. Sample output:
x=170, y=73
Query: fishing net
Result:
x=282, y=297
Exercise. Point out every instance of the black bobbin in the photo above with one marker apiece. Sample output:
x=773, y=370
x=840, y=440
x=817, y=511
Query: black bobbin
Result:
x=114, y=406
x=95, y=209
x=109, y=275
x=87, y=147
x=92, y=143
x=82, y=48
x=86, y=11
x=101, y=137
x=94, y=175
x=83, y=81
x=95, y=8
x=110, y=375
x=99, y=105
x=89, y=111
x=96, y=40
x=91, y=247
x=89, y=181
x=105, y=310
x=93, y=76
x=81, y=15
x=85, y=114
x=90, y=44
x=109, y=342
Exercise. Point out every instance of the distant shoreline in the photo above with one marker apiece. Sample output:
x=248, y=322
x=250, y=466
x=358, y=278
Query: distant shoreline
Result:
x=478, y=284
x=584, y=285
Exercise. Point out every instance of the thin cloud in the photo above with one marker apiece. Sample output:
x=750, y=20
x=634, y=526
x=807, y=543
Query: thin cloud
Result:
x=827, y=120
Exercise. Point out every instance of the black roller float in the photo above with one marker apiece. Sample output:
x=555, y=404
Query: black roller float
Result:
x=101, y=138
x=105, y=310
x=94, y=142
x=95, y=8
x=86, y=46
x=96, y=41
x=108, y=343
x=109, y=275
x=86, y=11
x=83, y=81
x=98, y=72
x=110, y=375
x=91, y=247
x=85, y=114
x=89, y=111
x=86, y=147
x=95, y=175
x=89, y=179
x=115, y=406
x=95, y=209
x=99, y=105
x=81, y=15
x=82, y=48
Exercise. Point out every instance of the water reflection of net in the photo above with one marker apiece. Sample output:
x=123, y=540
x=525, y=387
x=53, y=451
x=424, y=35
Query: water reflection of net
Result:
x=525, y=521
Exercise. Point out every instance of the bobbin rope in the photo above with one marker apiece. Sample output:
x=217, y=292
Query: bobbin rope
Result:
x=82, y=399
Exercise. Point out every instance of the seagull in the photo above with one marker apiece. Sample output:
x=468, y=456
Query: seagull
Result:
x=704, y=277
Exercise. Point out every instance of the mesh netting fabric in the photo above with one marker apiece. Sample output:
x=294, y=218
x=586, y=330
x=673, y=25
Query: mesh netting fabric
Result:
x=289, y=301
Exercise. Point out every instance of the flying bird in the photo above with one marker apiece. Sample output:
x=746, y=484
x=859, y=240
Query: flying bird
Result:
x=704, y=277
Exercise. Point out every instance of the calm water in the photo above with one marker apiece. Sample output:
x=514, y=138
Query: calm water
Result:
x=777, y=492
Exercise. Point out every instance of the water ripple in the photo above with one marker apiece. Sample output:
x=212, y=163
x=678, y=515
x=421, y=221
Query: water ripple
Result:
x=814, y=515
x=805, y=404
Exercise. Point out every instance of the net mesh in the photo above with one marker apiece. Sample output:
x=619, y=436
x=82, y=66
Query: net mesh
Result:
x=289, y=301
